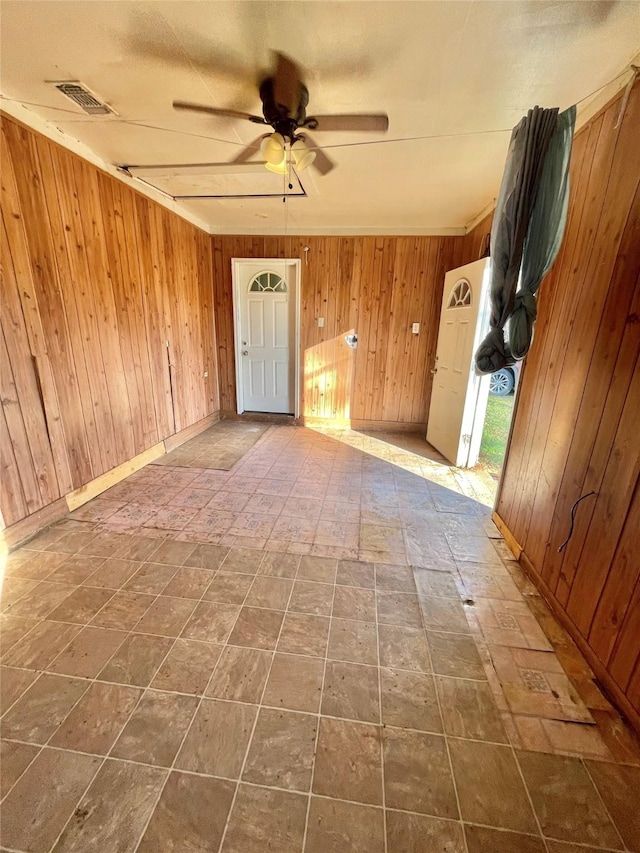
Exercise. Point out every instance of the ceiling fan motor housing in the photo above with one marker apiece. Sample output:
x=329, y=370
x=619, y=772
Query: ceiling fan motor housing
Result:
x=278, y=115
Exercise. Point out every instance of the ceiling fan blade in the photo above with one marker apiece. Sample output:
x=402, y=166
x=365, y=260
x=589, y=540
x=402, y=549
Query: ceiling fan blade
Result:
x=364, y=122
x=215, y=111
x=251, y=149
x=323, y=163
x=286, y=84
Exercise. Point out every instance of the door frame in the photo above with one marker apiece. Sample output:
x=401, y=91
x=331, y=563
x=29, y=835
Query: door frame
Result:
x=236, y=264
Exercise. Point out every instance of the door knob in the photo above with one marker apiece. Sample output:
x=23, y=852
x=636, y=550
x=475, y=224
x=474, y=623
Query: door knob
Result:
x=433, y=372
x=245, y=352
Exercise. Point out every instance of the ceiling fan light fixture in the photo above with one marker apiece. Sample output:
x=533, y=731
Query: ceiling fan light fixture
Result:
x=272, y=149
x=302, y=156
x=279, y=168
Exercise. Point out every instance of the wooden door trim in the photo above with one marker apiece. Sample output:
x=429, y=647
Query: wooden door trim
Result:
x=295, y=355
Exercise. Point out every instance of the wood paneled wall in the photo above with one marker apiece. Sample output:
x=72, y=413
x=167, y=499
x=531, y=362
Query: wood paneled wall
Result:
x=96, y=280
x=576, y=425
x=375, y=286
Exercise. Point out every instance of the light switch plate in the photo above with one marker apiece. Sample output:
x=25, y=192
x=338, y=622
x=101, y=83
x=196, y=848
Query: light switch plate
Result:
x=415, y=328
x=320, y=322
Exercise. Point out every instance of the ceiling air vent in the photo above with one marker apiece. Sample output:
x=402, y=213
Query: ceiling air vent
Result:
x=81, y=96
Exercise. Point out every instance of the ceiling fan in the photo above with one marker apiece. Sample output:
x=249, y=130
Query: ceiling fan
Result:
x=284, y=99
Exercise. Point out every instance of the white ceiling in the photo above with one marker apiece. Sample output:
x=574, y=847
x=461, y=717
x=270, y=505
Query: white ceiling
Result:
x=435, y=67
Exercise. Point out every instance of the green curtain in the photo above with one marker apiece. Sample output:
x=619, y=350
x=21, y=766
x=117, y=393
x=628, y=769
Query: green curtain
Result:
x=546, y=230
x=527, y=149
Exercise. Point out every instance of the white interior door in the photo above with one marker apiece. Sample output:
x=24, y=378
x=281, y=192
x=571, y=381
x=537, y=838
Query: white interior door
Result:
x=459, y=397
x=265, y=335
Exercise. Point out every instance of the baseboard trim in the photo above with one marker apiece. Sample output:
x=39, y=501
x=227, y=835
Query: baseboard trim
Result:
x=192, y=431
x=95, y=487
x=37, y=521
x=262, y=418
x=614, y=693
x=27, y=527
x=365, y=425
x=512, y=545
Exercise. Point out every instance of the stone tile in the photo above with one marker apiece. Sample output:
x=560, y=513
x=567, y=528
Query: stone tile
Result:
x=403, y=648
x=208, y=557
x=123, y=611
x=510, y=623
x=136, y=548
x=320, y=569
x=38, y=601
x=409, y=700
x=295, y=683
x=257, y=628
x=88, y=652
x=12, y=629
x=229, y=588
x=348, y=762
x=304, y=634
x=618, y=786
x=279, y=565
x=281, y=751
x=417, y=775
x=455, y=655
x=151, y=578
x=13, y=683
x=218, y=739
x=354, y=603
x=489, y=786
x=575, y=739
x=115, y=809
x=137, y=660
x=335, y=826
x=398, y=608
x=211, y=622
x=111, y=574
x=166, y=616
x=435, y=584
x=188, y=667
x=481, y=839
x=14, y=760
x=188, y=583
x=35, y=811
x=96, y=721
x=41, y=645
x=566, y=801
x=13, y=589
x=190, y=816
x=442, y=614
x=394, y=578
x=240, y=675
x=245, y=561
x=172, y=553
x=351, y=691
x=567, y=847
x=469, y=710
x=313, y=598
x=72, y=570
x=414, y=833
x=272, y=593
x=154, y=733
x=353, y=641
x=356, y=573
x=264, y=819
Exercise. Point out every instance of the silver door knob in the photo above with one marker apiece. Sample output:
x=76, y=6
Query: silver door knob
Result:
x=245, y=352
x=433, y=372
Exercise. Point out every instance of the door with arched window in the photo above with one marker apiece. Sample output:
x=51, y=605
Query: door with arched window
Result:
x=265, y=297
x=456, y=412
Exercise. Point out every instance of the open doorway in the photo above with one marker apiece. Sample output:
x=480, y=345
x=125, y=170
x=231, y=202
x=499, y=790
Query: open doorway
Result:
x=470, y=415
x=497, y=422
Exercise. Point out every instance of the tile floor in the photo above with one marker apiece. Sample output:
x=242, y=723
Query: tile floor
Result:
x=327, y=648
